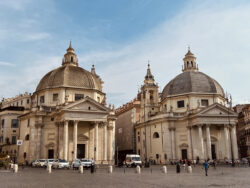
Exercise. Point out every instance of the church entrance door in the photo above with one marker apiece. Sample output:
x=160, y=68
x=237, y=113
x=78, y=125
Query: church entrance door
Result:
x=184, y=154
x=80, y=151
x=213, y=151
x=50, y=154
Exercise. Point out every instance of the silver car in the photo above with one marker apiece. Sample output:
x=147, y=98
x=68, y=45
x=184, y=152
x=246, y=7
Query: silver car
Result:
x=49, y=161
x=84, y=162
x=61, y=163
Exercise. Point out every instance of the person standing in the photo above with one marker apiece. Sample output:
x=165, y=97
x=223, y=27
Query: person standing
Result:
x=178, y=168
x=205, y=165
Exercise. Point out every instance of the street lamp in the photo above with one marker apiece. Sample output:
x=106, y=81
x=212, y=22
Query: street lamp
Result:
x=229, y=104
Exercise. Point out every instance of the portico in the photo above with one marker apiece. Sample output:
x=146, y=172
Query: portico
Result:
x=86, y=133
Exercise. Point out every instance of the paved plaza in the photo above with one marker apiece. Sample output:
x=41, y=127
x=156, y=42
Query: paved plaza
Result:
x=150, y=177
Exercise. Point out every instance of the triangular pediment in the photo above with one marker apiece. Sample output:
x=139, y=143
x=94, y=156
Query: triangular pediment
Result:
x=217, y=109
x=86, y=104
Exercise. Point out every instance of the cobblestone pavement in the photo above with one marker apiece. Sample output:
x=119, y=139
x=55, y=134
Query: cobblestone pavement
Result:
x=150, y=177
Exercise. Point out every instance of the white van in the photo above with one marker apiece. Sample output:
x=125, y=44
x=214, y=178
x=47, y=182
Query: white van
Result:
x=133, y=160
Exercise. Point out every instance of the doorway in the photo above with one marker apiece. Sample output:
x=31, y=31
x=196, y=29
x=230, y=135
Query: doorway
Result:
x=80, y=151
x=213, y=151
x=184, y=154
x=50, y=154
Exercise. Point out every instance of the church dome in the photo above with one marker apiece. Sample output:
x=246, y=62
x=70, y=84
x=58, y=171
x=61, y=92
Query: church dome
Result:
x=191, y=81
x=70, y=75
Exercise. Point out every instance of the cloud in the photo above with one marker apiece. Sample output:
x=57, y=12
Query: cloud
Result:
x=34, y=36
x=3, y=63
x=218, y=36
x=14, y=4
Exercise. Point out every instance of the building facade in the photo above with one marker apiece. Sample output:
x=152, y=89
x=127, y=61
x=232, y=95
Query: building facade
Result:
x=68, y=118
x=243, y=129
x=127, y=117
x=188, y=120
x=10, y=110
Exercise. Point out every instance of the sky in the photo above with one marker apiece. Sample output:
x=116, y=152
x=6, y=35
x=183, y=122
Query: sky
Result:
x=120, y=36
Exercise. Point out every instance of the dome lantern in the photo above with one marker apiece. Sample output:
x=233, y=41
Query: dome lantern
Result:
x=189, y=62
x=70, y=57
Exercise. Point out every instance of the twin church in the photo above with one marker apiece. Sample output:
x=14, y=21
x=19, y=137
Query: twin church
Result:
x=67, y=117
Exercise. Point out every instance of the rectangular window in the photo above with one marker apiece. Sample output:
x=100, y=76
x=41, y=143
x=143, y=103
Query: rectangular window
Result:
x=180, y=104
x=204, y=102
x=138, y=139
x=28, y=101
x=14, y=123
x=2, y=123
x=21, y=102
x=13, y=140
x=55, y=96
x=78, y=97
x=42, y=99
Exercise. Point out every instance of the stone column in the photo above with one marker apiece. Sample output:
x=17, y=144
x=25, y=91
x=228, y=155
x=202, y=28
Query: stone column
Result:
x=39, y=135
x=173, y=144
x=209, y=152
x=190, y=146
x=227, y=141
x=65, y=140
x=96, y=142
x=201, y=142
x=75, y=139
x=105, y=141
x=234, y=143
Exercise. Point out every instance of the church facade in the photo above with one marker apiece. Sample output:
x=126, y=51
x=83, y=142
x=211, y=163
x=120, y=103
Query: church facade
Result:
x=188, y=120
x=68, y=117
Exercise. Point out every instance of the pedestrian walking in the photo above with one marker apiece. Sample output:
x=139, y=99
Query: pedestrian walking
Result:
x=214, y=164
x=194, y=162
x=205, y=165
x=178, y=168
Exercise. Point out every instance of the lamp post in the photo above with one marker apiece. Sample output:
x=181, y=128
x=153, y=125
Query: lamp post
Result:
x=229, y=104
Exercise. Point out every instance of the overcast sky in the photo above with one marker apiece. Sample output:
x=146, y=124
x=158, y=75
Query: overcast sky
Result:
x=120, y=36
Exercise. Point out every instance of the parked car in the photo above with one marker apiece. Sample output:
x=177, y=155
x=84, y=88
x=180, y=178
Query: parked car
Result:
x=35, y=163
x=133, y=160
x=61, y=163
x=84, y=162
x=49, y=161
x=41, y=162
x=87, y=162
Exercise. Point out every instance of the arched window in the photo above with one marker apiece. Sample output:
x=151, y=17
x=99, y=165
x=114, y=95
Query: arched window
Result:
x=188, y=64
x=192, y=63
x=156, y=135
x=71, y=58
x=27, y=137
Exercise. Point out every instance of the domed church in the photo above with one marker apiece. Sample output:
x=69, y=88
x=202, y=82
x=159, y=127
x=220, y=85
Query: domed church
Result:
x=188, y=120
x=68, y=117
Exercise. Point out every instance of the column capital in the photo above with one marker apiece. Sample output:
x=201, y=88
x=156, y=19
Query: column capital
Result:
x=226, y=126
x=76, y=121
x=208, y=125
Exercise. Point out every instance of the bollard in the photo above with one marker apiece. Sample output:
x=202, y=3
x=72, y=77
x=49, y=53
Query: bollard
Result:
x=138, y=170
x=81, y=169
x=164, y=169
x=49, y=168
x=110, y=169
x=15, y=168
x=189, y=169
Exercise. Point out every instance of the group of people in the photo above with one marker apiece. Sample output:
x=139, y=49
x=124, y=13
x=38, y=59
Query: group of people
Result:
x=185, y=163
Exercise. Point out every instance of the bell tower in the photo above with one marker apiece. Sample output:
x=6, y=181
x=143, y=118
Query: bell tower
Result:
x=189, y=62
x=149, y=96
x=70, y=57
